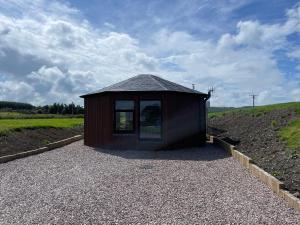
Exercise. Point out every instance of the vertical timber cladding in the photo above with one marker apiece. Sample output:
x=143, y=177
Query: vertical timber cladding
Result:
x=185, y=124
x=93, y=120
x=183, y=120
x=88, y=118
x=85, y=130
x=203, y=117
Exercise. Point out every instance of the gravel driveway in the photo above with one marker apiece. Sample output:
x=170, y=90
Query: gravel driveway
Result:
x=80, y=185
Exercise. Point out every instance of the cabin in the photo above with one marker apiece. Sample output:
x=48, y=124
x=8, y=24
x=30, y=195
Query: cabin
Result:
x=145, y=112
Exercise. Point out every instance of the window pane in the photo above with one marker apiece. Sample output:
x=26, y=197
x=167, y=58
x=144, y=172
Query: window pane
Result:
x=150, y=119
x=124, y=105
x=124, y=121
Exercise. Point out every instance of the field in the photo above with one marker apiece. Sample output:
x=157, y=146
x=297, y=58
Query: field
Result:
x=270, y=135
x=22, y=131
x=7, y=125
x=19, y=115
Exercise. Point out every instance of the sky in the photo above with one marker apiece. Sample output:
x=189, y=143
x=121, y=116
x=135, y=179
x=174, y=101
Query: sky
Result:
x=55, y=51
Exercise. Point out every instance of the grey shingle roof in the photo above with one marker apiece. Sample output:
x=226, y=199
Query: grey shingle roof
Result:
x=145, y=82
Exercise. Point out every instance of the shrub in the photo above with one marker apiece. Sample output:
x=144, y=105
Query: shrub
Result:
x=274, y=123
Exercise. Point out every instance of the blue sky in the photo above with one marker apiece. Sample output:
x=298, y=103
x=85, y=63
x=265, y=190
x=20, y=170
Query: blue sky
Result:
x=57, y=50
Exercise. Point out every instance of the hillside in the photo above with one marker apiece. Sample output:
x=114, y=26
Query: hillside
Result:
x=270, y=135
x=219, y=109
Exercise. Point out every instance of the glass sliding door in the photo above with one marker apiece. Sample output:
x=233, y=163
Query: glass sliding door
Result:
x=150, y=119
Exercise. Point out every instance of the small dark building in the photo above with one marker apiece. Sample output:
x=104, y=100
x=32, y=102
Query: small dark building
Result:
x=145, y=112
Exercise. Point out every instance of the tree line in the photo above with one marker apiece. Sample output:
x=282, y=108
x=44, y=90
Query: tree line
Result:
x=15, y=105
x=56, y=108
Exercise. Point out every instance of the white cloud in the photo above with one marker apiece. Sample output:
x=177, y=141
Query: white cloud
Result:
x=53, y=54
x=238, y=63
x=295, y=53
x=10, y=89
x=109, y=25
x=232, y=70
x=70, y=56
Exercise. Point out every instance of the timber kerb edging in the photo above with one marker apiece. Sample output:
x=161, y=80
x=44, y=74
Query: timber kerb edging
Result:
x=48, y=147
x=272, y=182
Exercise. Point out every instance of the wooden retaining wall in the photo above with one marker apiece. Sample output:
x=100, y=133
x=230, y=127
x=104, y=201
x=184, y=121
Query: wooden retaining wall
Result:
x=48, y=147
x=272, y=182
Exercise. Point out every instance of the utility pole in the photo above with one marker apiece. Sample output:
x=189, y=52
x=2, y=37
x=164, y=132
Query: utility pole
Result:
x=193, y=86
x=253, y=96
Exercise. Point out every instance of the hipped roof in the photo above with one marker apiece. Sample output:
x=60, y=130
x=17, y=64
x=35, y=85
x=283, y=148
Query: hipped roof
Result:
x=145, y=83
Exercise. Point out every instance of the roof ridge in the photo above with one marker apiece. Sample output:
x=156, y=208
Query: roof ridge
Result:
x=154, y=78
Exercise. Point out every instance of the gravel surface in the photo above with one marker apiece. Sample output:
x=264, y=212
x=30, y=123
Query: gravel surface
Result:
x=80, y=185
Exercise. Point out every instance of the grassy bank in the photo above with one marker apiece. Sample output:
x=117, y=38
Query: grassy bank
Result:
x=290, y=133
x=258, y=110
x=270, y=135
x=7, y=125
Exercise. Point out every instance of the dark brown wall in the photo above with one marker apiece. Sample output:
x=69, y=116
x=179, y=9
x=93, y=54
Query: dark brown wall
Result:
x=183, y=121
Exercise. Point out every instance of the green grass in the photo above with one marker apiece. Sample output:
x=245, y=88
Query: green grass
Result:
x=266, y=108
x=258, y=110
x=19, y=115
x=7, y=125
x=291, y=134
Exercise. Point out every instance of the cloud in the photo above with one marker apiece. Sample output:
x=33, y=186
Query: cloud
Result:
x=237, y=64
x=109, y=25
x=10, y=89
x=295, y=53
x=18, y=65
x=60, y=57
x=50, y=52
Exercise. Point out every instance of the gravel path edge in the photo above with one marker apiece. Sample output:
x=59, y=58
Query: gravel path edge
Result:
x=272, y=182
x=48, y=147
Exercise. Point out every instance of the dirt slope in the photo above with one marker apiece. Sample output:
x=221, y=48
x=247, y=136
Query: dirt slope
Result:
x=256, y=135
x=29, y=139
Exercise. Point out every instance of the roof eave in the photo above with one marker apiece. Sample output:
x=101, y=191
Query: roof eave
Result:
x=98, y=93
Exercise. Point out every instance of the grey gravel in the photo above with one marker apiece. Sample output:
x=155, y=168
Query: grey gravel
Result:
x=81, y=185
